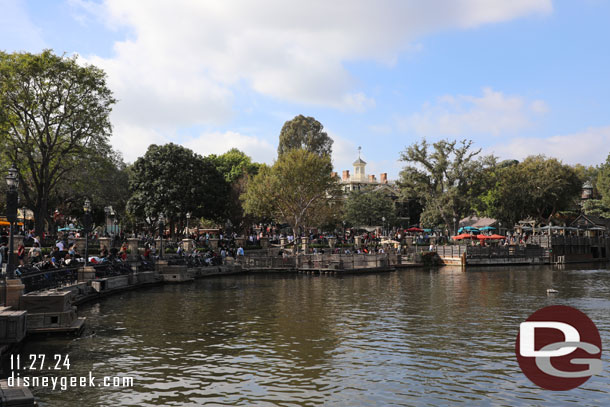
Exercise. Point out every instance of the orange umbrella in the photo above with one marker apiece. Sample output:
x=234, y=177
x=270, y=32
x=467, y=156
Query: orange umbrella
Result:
x=463, y=236
x=6, y=223
x=492, y=237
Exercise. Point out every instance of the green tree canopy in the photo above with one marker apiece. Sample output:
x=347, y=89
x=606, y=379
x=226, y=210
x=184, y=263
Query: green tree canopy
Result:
x=368, y=208
x=538, y=188
x=102, y=178
x=234, y=164
x=304, y=133
x=237, y=169
x=54, y=113
x=173, y=180
x=298, y=190
x=446, y=177
x=601, y=181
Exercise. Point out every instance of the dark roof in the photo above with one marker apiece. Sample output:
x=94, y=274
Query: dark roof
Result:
x=584, y=220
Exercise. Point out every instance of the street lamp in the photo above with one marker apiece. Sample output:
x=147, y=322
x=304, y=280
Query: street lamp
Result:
x=383, y=225
x=161, y=232
x=106, y=215
x=454, y=226
x=188, y=217
x=87, y=227
x=12, y=201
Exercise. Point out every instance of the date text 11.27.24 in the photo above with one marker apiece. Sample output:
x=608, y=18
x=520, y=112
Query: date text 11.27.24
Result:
x=40, y=362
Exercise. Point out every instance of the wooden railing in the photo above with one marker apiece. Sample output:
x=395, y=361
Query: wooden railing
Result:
x=506, y=251
x=558, y=240
x=452, y=250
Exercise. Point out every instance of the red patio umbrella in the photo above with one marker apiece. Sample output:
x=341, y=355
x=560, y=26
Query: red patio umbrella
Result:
x=414, y=229
x=491, y=237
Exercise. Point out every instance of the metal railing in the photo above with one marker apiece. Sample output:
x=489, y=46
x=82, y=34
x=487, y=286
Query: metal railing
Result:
x=49, y=278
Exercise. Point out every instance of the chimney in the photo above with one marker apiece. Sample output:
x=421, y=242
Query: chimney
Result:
x=384, y=178
x=371, y=178
x=345, y=175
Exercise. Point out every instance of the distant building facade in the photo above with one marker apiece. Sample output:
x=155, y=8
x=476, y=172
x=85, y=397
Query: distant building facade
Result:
x=359, y=180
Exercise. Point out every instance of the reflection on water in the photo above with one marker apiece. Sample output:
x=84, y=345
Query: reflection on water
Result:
x=405, y=338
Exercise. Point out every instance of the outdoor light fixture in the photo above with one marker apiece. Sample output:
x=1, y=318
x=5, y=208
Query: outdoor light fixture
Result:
x=11, y=179
x=107, y=213
x=188, y=217
x=87, y=227
x=161, y=232
x=12, y=201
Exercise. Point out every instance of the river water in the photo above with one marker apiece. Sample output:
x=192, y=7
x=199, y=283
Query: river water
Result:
x=411, y=337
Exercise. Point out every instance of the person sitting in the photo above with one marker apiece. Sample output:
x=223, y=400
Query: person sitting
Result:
x=146, y=254
x=68, y=259
x=103, y=251
x=35, y=254
x=56, y=256
x=123, y=252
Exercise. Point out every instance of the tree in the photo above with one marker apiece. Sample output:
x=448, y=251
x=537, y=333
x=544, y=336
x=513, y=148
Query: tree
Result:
x=234, y=164
x=600, y=179
x=304, y=133
x=237, y=169
x=538, y=187
x=103, y=178
x=53, y=114
x=368, y=208
x=447, y=179
x=173, y=180
x=298, y=189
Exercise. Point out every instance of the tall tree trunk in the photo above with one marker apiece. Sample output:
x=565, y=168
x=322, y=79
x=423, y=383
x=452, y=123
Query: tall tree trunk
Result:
x=40, y=214
x=295, y=233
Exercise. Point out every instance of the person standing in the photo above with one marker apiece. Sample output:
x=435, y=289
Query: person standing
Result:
x=21, y=254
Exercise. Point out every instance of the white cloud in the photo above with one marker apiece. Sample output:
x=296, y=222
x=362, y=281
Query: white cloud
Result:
x=492, y=113
x=183, y=61
x=582, y=147
x=132, y=141
x=218, y=143
x=190, y=54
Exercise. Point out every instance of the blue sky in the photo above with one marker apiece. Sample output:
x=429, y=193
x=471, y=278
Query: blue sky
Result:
x=520, y=77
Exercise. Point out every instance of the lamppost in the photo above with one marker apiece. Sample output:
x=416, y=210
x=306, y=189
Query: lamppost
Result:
x=343, y=237
x=161, y=233
x=188, y=217
x=454, y=226
x=106, y=215
x=87, y=227
x=383, y=225
x=12, y=200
